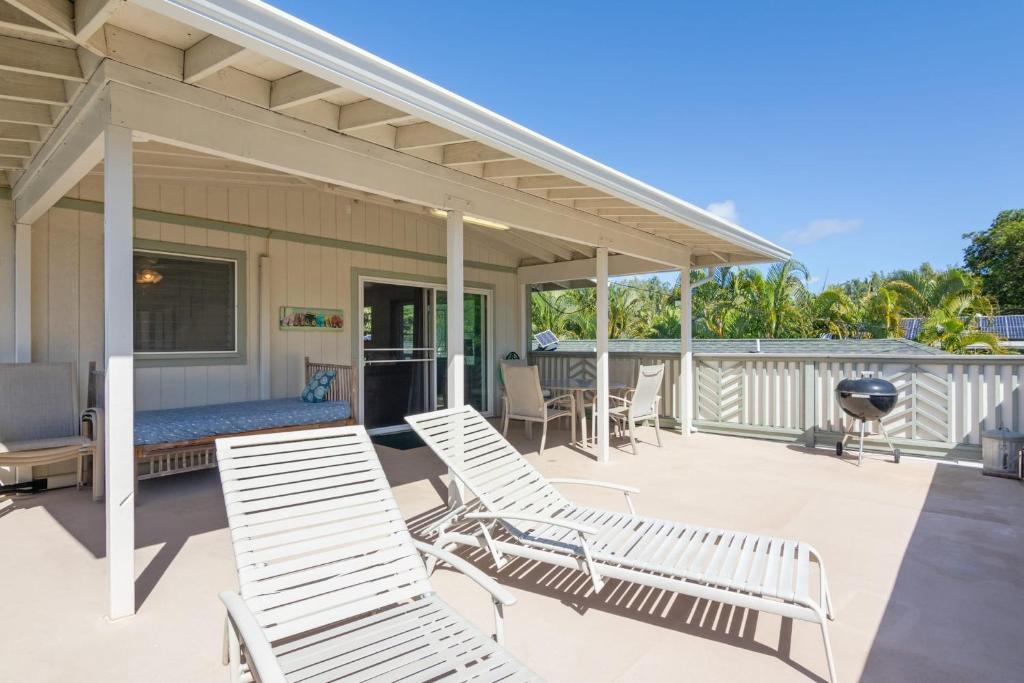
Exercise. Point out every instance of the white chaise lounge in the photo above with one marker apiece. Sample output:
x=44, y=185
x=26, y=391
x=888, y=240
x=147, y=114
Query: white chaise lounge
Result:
x=331, y=585
x=518, y=512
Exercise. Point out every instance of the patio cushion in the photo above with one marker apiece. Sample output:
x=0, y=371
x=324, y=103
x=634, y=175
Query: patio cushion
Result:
x=40, y=444
x=199, y=422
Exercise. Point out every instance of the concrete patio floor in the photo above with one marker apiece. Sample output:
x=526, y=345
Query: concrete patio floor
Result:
x=925, y=563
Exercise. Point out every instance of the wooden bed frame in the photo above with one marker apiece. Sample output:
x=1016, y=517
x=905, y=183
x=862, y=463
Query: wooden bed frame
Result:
x=163, y=459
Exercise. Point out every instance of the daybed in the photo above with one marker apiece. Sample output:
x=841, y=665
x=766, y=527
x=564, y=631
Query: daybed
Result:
x=177, y=440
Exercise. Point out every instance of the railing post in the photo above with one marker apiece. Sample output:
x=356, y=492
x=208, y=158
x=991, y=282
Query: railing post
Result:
x=810, y=401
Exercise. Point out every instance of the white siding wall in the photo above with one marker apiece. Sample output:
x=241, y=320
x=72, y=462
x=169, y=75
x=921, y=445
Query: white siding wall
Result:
x=67, y=295
x=6, y=282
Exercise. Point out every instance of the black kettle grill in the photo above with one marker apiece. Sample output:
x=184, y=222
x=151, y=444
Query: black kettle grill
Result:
x=866, y=399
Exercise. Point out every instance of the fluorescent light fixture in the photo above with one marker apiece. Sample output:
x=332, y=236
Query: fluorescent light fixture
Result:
x=472, y=220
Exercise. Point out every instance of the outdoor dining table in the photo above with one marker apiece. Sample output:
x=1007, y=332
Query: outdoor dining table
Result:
x=578, y=386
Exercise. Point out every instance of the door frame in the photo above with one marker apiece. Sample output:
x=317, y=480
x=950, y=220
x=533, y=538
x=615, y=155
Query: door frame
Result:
x=432, y=285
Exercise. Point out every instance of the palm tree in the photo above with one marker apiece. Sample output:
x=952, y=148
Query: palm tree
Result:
x=953, y=326
x=773, y=301
x=835, y=313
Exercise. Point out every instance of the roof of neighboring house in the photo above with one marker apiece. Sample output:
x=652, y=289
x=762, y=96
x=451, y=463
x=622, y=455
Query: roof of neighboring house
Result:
x=889, y=347
x=1008, y=327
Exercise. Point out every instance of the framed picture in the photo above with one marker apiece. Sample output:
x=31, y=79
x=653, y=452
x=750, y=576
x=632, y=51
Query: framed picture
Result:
x=311, y=319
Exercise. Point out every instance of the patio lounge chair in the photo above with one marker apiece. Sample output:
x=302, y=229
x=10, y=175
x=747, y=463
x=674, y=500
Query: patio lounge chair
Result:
x=638, y=405
x=39, y=419
x=331, y=585
x=518, y=512
x=524, y=400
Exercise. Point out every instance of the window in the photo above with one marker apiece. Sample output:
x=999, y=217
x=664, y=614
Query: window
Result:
x=189, y=305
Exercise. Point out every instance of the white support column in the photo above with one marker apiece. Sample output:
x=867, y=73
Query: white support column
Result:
x=119, y=347
x=455, y=333
x=601, y=400
x=456, y=366
x=22, y=293
x=685, y=383
x=264, y=327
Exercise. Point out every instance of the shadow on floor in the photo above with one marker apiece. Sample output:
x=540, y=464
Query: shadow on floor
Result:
x=958, y=583
x=698, y=617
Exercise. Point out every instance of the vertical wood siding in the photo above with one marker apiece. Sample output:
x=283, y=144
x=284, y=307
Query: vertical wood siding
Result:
x=67, y=280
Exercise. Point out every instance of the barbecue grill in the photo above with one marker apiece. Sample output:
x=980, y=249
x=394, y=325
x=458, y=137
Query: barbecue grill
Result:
x=866, y=399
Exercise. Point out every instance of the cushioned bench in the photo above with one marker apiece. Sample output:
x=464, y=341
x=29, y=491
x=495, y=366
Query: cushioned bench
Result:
x=182, y=439
x=154, y=427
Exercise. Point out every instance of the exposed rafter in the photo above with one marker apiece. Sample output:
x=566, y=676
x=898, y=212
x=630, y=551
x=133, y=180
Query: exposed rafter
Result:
x=423, y=135
x=298, y=88
x=58, y=15
x=23, y=112
x=15, y=149
x=14, y=19
x=19, y=132
x=38, y=59
x=208, y=56
x=368, y=113
x=471, y=153
x=90, y=15
x=513, y=169
x=553, y=182
x=37, y=89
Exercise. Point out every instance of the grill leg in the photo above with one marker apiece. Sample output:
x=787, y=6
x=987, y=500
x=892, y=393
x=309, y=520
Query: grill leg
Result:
x=860, y=456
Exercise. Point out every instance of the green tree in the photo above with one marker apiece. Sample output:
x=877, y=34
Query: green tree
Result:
x=953, y=326
x=996, y=256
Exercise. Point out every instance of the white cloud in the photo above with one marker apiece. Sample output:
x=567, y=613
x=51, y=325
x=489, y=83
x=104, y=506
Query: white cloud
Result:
x=820, y=229
x=726, y=210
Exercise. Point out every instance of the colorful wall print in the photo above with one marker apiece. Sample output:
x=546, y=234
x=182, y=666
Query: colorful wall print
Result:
x=301, y=318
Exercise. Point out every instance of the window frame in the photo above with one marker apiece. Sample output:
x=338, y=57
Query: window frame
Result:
x=163, y=359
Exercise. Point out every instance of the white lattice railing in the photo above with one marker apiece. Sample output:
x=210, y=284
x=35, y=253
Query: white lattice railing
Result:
x=944, y=403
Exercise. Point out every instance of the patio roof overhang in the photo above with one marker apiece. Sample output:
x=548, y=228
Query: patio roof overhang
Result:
x=208, y=76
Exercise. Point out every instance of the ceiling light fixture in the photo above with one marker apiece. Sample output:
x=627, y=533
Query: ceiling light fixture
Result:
x=472, y=220
x=148, y=276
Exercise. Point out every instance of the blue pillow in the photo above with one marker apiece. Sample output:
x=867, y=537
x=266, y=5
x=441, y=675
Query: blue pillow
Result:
x=317, y=386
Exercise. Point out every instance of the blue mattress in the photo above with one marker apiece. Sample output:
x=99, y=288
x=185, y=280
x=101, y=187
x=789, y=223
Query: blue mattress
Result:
x=197, y=422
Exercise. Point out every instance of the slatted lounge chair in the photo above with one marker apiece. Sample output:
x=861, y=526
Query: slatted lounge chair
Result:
x=517, y=512
x=331, y=584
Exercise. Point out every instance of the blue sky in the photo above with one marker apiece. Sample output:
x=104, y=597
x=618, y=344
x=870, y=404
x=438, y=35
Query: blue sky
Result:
x=861, y=135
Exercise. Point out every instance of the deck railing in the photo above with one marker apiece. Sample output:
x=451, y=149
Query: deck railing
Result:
x=944, y=402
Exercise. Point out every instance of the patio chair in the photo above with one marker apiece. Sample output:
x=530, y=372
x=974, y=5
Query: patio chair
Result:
x=524, y=400
x=39, y=419
x=331, y=584
x=517, y=512
x=638, y=405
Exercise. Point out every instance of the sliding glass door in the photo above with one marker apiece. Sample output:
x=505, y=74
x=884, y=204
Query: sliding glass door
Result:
x=404, y=351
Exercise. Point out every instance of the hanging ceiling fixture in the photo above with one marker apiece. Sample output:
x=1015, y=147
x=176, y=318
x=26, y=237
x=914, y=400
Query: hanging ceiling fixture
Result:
x=148, y=276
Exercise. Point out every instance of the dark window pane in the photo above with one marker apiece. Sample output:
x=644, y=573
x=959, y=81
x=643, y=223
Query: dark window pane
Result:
x=183, y=303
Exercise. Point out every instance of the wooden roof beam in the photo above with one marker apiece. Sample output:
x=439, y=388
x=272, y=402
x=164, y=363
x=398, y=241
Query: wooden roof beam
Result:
x=33, y=89
x=39, y=59
x=423, y=135
x=208, y=56
x=513, y=169
x=23, y=112
x=91, y=15
x=367, y=114
x=14, y=19
x=462, y=153
x=299, y=88
x=19, y=132
x=57, y=15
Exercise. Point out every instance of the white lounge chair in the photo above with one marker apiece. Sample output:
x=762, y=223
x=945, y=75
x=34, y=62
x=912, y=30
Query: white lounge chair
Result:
x=518, y=512
x=524, y=400
x=331, y=585
x=638, y=405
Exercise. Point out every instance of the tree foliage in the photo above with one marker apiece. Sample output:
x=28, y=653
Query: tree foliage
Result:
x=996, y=256
x=777, y=303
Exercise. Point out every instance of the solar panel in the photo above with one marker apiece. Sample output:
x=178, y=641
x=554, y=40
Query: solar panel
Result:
x=1008, y=327
x=911, y=328
x=546, y=340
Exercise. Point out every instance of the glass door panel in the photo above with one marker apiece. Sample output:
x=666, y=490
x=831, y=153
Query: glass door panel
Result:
x=475, y=346
x=397, y=356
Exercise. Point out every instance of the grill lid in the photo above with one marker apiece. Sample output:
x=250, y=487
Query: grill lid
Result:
x=871, y=386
